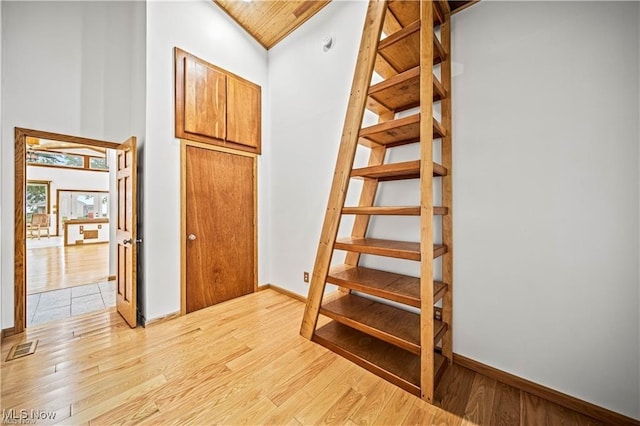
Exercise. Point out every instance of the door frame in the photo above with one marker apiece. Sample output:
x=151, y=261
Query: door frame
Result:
x=20, y=230
x=183, y=213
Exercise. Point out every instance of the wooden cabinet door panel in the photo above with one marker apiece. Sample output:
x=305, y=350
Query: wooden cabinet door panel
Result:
x=220, y=255
x=216, y=107
x=204, y=100
x=243, y=112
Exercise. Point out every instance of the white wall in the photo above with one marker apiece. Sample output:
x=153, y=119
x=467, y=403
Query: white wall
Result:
x=309, y=91
x=68, y=67
x=201, y=28
x=546, y=206
x=546, y=199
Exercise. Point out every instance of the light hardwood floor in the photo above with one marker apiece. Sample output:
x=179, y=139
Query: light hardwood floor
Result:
x=240, y=362
x=53, y=268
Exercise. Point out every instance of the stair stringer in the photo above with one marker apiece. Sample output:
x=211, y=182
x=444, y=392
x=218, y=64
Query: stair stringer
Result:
x=346, y=155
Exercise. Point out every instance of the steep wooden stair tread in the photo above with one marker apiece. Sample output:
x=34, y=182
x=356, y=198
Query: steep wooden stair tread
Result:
x=407, y=12
x=401, y=50
x=389, y=248
x=400, y=367
x=388, y=323
x=387, y=285
x=400, y=131
x=391, y=210
x=396, y=171
x=400, y=92
x=393, y=325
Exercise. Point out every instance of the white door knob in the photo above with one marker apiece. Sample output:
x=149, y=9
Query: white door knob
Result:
x=191, y=237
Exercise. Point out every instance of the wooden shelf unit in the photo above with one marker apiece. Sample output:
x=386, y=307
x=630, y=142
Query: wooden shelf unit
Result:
x=384, y=321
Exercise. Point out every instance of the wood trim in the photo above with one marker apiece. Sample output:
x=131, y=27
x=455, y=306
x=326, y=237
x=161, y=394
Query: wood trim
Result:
x=327, y=297
x=86, y=221
x=48, y=185
x=227, y=150
x=284, y=291
x=66, y=138
x=111, y=278
x=20, y=231
x=568, y=401
x=7, y=332
x=183, y=223
x=183, y=211
x=348, y=144
x=162, y=319
x=20, y=234
x=255, y=223
x=80, y=169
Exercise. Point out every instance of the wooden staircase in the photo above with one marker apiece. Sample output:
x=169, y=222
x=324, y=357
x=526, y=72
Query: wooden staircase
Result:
x=406, y=348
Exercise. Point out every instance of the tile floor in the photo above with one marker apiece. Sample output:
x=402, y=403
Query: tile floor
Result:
x=68, y=302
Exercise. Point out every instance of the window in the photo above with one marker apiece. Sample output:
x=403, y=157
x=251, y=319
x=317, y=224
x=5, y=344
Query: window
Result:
x=98, y=163
x=76, y=204
x=37, y=198
x=55, y=159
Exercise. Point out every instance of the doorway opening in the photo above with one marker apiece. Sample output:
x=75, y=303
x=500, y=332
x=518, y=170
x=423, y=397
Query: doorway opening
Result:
x=75, y=207
x=70, y=245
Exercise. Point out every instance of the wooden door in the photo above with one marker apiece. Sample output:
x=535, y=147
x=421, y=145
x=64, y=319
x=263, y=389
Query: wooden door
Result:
x=126, y=178
x=243, y=112
x=220, y=226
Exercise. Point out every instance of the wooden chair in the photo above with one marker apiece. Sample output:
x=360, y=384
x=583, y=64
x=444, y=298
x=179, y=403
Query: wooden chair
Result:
x=39, y=221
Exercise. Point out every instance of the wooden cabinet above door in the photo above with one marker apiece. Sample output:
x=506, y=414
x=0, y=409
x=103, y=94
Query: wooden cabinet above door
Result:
x=215, y=106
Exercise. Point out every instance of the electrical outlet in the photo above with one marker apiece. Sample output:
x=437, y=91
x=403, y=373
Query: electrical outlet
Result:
x=306, y=277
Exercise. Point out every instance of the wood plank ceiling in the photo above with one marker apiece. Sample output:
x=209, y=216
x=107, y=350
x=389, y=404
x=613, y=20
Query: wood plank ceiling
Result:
x=269, y=21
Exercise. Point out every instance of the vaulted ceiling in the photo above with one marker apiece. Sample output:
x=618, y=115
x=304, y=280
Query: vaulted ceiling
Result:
x=269, y=21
